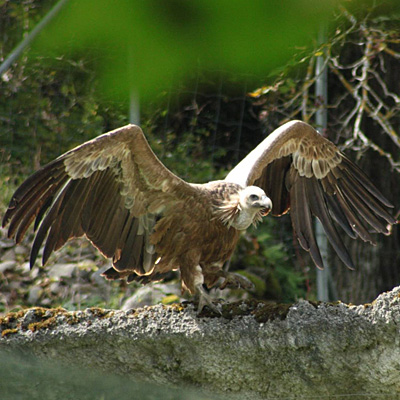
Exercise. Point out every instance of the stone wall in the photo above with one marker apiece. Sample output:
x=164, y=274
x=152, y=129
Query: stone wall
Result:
x=255, y=350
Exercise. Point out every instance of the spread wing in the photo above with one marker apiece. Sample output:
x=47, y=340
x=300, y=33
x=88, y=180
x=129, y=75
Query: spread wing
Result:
x=305, y=173
x=110, y=189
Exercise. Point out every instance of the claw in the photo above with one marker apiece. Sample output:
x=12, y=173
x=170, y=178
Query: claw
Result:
x=205, y=300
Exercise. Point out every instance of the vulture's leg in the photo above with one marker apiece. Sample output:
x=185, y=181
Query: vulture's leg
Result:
x=205, y=300
x=193, y=280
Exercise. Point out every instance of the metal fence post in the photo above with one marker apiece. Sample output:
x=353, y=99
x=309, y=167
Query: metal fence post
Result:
x=29, y=38
x=321, y=117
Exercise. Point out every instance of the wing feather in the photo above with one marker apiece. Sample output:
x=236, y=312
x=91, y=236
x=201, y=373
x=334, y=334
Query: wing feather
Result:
x=273, y=180
x=362, y=193
x=130, y=255
x=302, y=220
x=339, y=216
x=367, y=212
x=357, y=225
x=304, y=172
x=108, y=189
x=319, y=209
x=51, y=223
x=365, y=182
x=27, y=202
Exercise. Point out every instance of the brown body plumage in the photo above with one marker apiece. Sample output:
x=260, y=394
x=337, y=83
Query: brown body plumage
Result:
x=190, y=242
x=116, y=192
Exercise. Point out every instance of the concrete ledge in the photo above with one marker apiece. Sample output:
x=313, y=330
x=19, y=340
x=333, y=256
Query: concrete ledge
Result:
x=255, y=351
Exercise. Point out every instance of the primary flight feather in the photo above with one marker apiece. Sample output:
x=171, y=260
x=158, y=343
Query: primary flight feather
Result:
x=116, y=192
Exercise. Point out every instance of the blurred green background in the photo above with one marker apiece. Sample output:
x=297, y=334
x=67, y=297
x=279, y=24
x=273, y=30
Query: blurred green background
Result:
x=146, y=44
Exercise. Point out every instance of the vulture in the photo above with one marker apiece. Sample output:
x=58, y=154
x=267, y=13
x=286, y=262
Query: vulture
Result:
x=116, y=192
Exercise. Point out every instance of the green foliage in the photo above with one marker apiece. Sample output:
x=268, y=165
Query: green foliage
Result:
x=150, y=43
x=58, y=109
x=6, y=187
x=265, y=258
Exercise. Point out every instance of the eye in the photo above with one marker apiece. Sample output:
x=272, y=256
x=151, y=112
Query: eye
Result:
x=254, y=197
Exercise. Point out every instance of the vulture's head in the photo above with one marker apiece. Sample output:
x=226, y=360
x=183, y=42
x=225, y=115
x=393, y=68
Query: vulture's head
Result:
x=253, y=198
x=253, y=205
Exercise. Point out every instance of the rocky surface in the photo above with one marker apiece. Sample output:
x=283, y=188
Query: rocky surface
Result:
x=71, y=278
x=255, y=350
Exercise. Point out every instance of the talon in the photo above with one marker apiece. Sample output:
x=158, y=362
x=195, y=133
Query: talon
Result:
x=205, y=300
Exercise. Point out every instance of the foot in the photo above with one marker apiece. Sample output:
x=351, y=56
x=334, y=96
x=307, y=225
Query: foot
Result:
x=205, y=300
x=233, y=280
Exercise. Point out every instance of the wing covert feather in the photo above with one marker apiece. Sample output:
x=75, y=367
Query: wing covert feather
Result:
x=109, y=189
x=305, y=173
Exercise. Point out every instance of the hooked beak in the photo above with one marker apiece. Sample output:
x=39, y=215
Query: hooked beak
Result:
x=266, y=206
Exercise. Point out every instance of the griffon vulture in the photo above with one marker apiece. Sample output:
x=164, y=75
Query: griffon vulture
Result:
x=116, y=192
